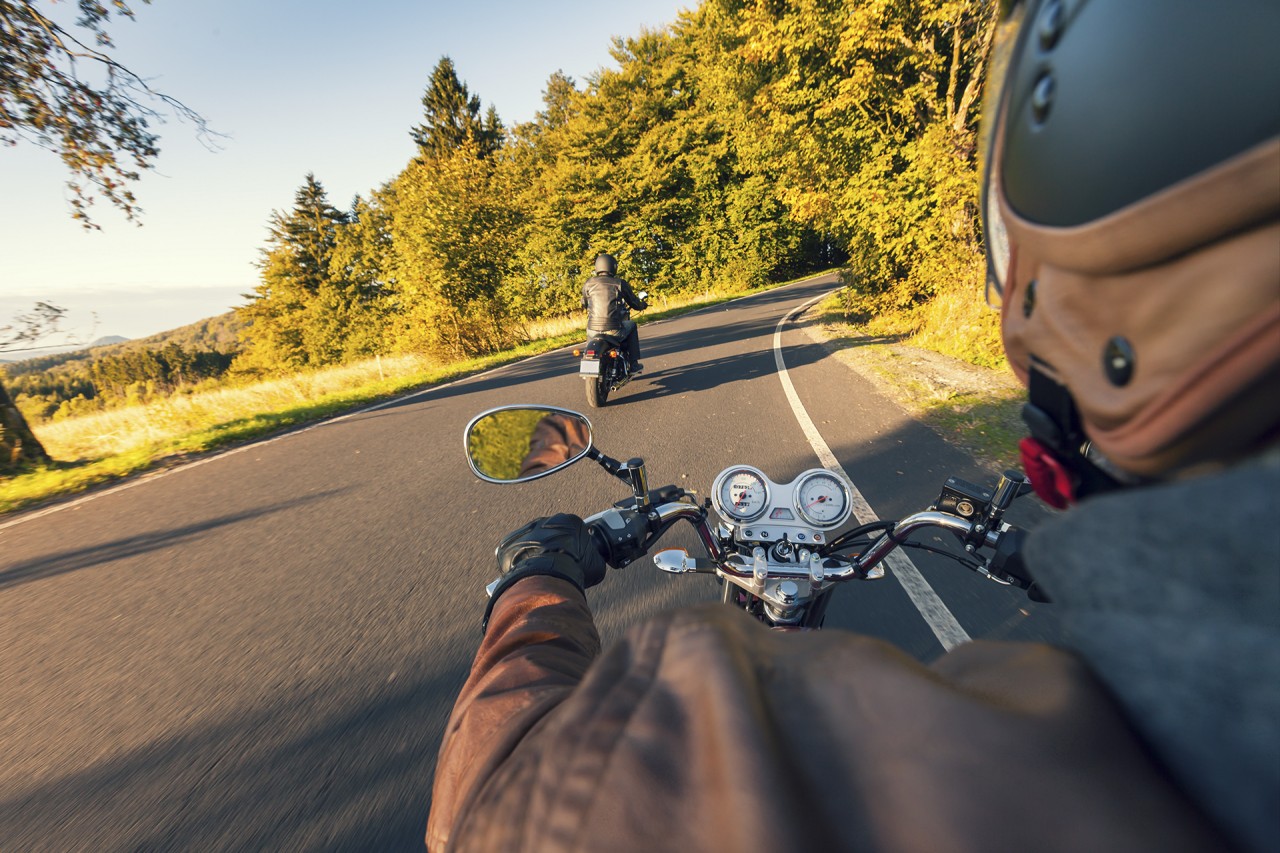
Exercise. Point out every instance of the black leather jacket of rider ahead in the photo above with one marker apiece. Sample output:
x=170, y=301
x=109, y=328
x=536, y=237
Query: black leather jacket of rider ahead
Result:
x=606, y=299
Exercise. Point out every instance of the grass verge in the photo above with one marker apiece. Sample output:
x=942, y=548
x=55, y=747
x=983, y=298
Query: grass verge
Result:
x=108, y=446
x=976, y=409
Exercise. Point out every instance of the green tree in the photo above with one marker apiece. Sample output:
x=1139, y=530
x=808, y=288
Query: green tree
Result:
x=76, y=100
x=543, y=174
x=643, y=162
x=360, y=266
x=866, y=112
x=451, y=117
x=289, y=314
x=453, y=227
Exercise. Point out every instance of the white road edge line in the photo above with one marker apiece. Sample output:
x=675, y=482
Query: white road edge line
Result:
x=940, y=620
x=157, y=475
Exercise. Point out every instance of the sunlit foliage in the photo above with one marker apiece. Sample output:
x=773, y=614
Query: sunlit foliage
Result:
x=745, y=143
x=748, y=142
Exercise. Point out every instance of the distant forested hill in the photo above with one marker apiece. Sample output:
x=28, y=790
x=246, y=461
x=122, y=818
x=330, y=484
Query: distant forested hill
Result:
x=62, y=385
x=215, y=334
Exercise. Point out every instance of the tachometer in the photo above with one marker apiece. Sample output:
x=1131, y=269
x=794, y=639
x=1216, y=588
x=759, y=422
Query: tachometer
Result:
x=822, y=498
x=742, y=494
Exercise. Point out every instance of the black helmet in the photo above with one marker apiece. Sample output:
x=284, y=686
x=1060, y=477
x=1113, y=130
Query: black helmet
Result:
x=606, y=264
x=1132, y=214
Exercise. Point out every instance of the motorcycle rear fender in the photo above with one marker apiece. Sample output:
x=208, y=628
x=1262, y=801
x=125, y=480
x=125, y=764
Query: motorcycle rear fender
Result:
x=598, y=346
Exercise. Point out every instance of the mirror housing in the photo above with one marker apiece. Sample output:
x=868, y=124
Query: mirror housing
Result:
x=644, y=294
x=515, y=444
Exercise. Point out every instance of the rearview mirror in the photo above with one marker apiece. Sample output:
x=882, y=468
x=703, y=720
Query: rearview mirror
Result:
x=644, y=294
x=513, y=444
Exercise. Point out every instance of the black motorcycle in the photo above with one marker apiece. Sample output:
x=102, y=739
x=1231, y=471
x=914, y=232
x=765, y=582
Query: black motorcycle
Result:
x=604, y=365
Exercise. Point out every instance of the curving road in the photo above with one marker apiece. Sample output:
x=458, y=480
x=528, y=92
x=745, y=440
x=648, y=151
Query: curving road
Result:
x=259, y=650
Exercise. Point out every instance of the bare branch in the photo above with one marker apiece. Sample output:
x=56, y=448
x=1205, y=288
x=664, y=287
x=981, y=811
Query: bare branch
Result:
x=41, y=322
x=101, y=130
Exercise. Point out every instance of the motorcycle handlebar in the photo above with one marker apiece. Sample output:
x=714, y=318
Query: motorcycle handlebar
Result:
x=622, y=535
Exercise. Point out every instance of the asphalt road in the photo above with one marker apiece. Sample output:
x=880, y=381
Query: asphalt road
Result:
x=259, y=651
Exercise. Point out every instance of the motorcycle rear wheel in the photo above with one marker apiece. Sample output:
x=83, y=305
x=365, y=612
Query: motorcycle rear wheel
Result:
x=597, y=391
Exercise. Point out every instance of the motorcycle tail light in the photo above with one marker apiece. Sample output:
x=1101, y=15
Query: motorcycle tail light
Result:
x=591, y=353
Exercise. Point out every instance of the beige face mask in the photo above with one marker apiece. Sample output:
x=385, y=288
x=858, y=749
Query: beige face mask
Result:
x=1162, y=319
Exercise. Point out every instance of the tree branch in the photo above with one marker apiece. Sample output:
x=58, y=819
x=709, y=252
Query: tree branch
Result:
x=92, y=127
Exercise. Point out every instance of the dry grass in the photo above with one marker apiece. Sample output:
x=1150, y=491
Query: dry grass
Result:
x=161, y=421
x=555, y=326
x=959, y=323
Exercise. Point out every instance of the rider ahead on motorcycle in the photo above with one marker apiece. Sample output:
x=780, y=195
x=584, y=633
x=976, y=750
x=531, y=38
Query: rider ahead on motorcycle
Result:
x=1131, y=212
x=607, y=299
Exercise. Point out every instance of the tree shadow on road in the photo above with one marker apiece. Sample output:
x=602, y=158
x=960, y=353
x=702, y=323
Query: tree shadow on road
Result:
x=655, y=343
x=50, y=565
x=713, y=373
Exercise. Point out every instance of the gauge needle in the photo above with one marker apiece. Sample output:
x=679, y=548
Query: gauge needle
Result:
x=821, y=499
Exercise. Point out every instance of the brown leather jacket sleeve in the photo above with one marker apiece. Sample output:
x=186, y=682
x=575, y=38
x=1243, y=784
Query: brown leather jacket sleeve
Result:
x=541, y=639
x=556, y=439
x=700, y=730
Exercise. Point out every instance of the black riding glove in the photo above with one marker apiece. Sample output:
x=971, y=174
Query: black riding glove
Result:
x=559, y=546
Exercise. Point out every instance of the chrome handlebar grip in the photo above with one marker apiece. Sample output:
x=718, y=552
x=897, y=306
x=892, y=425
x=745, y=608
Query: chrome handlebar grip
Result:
x=1009, y=487
x=636, y=475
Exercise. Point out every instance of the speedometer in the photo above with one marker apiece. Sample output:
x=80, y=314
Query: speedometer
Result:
x=742, y=494
x=822, y=498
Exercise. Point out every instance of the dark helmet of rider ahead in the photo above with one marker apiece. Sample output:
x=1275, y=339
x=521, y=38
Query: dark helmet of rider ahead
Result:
x=606, y=264
x=1131, y=209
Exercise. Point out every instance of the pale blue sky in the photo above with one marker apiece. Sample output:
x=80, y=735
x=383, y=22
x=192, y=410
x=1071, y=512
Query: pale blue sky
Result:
x=299, y=86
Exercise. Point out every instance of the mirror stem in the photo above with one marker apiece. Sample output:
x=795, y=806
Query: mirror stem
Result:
x=608, y=463
x=631, y=472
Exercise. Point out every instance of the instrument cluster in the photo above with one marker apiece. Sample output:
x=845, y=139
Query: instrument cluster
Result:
x=816, y=501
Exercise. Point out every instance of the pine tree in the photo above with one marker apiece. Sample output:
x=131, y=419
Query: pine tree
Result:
x=452, y=117
x=302, y=242
x=295, y=271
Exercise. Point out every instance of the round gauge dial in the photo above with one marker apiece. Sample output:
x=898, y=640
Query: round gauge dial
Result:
x=822, y=499
x=742, y=494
